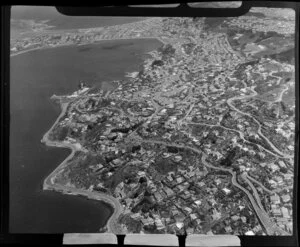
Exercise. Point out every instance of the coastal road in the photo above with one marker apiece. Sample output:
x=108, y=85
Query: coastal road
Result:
x=49, y=184
x=112, y=225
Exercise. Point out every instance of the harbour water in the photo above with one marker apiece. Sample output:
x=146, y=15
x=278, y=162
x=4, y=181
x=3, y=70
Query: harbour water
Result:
x=35, y=77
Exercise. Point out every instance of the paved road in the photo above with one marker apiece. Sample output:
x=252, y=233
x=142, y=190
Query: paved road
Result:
x=179, y=122
x=241, y=134
x=273, y=225
x=245, y=178
x=268, y=225
x=229, y=102
x=262, y=216
x=279, y=97
x=112, y=224
x=260, y=184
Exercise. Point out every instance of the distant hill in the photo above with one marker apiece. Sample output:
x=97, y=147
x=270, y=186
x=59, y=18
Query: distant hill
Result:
x=60, y=21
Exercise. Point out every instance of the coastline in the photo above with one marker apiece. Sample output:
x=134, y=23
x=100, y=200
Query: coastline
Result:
x=25, y=51
x=112, y=225
x=77, y=45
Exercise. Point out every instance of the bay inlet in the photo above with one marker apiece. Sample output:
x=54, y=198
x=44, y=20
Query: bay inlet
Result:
x=35, y=77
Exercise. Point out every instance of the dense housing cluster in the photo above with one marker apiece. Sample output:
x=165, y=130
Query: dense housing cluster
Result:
x=201, y=140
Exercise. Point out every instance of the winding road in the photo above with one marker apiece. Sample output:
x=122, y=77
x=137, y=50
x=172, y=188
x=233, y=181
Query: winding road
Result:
x=241, y=134
x=229, y=102
x=245, y=178
x=270, y=227
x=260, y=184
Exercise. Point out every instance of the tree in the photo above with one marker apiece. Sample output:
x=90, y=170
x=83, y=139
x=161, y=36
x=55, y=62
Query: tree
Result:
x=167, y=51
x=229, y=159
x=172, y=149
x=60, y=133
x=143, y=180
x=157, y=63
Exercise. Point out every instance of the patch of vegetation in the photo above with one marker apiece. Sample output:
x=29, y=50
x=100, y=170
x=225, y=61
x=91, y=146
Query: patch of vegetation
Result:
x=126, y=130
x=145, y=206
x=228, y=160
x=287, y=56
x=213, y=22
x=104, y=103
x=164, y=166
x=93, y=133
x=128, y=173
x=59, y=133
x=188, y=47
x=133, y=226
x=157, y=63
x=166, y=51
x=79, y=172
